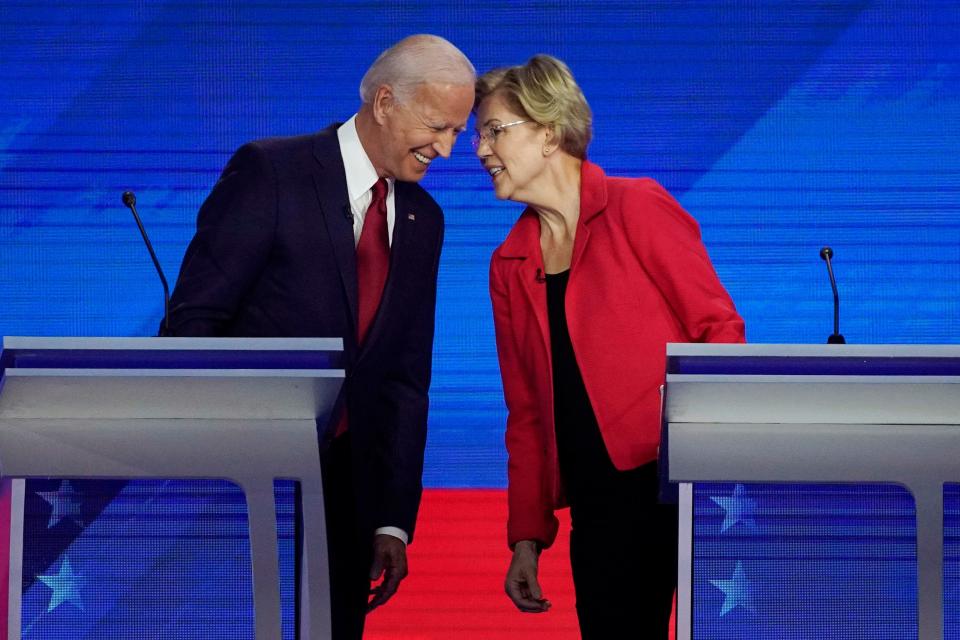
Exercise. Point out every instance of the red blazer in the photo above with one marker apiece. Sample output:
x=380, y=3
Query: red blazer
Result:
x=640, y=277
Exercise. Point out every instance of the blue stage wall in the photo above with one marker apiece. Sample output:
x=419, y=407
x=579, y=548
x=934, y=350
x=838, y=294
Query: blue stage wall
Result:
x=782, y=125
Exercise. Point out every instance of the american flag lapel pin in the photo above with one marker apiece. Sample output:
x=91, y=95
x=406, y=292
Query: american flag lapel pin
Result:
x=411, y=216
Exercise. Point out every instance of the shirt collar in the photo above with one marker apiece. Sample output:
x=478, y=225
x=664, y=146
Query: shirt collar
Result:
x=361, y=174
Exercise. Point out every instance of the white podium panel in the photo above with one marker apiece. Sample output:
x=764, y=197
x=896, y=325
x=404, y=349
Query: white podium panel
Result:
x=207, y=410
x=807, y=414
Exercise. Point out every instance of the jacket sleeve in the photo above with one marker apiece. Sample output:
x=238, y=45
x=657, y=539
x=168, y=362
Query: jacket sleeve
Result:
x=530, y=508
x=666, y=240
x=235, y=230
x=404, y=392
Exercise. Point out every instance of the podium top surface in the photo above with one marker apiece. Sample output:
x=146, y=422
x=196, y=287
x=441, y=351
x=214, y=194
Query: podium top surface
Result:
x=170, y=353
x=173, y=344
x=813, y=359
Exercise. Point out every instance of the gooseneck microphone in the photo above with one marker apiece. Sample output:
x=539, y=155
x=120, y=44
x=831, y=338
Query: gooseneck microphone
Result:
x=130, y=200
x=835, y=338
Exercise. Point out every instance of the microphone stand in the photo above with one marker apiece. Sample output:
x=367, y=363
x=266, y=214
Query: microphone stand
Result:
x=130, y=200
x=835, y=338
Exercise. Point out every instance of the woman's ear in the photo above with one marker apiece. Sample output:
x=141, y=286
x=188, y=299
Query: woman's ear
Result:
x=550, y=139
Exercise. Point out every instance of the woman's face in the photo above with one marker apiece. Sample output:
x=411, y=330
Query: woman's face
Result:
x=513, y=156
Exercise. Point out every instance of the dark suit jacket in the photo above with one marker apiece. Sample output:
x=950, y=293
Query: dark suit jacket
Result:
x=274, y=256
x=640, y=277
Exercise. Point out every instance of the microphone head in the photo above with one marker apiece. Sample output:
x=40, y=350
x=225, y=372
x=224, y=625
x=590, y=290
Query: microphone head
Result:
x=826, y=253
x=129, y=198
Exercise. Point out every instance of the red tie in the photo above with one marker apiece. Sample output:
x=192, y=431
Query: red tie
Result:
x=373, y=263
x=373, y=258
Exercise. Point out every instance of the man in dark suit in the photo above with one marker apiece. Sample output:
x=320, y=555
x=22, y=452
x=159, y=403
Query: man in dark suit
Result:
x=329, y=235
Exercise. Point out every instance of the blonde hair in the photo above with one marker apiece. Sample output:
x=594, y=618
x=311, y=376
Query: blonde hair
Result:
x=543, y=90
x=416, y=60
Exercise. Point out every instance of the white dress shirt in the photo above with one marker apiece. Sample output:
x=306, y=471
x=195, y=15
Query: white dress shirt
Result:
x=361, y=176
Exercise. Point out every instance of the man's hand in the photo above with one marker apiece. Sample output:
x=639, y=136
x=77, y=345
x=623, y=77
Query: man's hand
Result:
x=390, y=561
x=521, y=583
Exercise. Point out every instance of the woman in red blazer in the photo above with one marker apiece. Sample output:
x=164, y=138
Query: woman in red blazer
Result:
x=597, y=275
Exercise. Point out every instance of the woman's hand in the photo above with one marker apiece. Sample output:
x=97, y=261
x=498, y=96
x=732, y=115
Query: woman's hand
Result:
x=521, y=583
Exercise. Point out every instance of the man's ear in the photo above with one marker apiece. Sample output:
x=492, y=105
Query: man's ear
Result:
x=384, y=102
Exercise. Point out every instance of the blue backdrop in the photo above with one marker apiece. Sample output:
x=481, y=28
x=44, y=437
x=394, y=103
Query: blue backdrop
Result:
x=781, y=125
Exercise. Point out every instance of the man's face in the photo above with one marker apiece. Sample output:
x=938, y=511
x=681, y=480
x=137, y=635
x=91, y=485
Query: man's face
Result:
x=415, y=132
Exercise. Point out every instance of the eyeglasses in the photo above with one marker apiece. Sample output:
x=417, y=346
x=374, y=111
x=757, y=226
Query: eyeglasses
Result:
x=490, y=133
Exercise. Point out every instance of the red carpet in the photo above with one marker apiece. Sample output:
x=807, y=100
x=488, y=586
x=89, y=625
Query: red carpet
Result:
x=457, y=565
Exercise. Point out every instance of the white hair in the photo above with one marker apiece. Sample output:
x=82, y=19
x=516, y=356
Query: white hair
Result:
x=413, y=61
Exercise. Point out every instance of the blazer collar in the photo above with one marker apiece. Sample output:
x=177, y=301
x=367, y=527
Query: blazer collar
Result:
x=593, y=191
x=523, y=240
x=326, y=149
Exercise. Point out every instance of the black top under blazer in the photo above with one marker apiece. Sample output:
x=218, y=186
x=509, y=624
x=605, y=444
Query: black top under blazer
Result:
x=274, y=256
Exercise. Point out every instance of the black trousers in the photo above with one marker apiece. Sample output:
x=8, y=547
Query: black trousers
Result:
x=349, y=551
x=623, y=552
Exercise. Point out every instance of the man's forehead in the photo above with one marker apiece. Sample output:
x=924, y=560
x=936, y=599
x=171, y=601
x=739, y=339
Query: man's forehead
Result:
x=428, y=87
x=441, y=102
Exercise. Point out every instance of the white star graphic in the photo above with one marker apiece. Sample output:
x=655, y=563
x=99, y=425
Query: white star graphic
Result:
x=737, y=591
x=737, y=508
x=64, y=503
x=65, y=586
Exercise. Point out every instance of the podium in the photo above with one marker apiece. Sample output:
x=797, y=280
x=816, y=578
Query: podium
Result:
x=241, y=410
x=812, y=413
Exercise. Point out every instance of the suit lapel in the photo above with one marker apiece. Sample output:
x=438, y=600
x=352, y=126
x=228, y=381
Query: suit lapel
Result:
x=331, y=183
x=534, y=284
x=523, y=242
x=579, y=246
